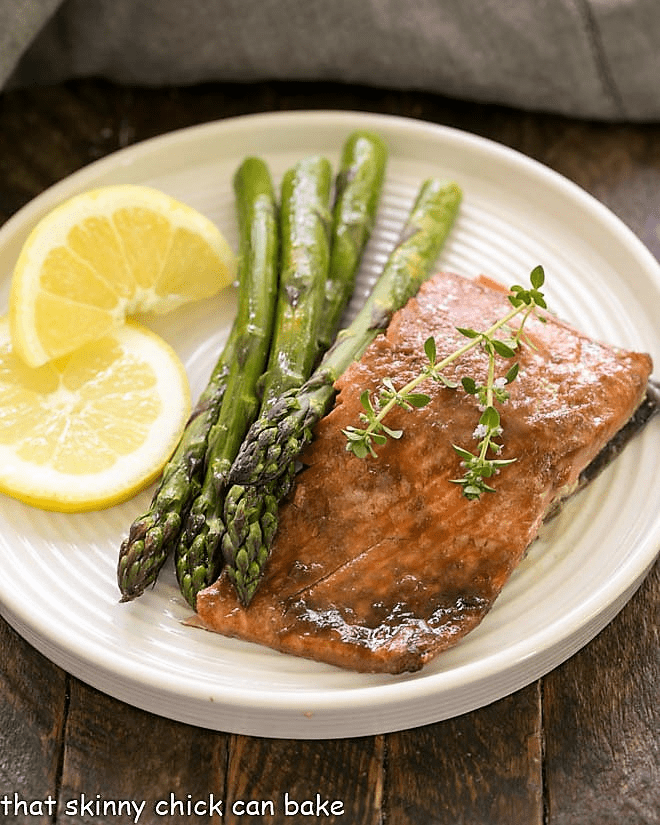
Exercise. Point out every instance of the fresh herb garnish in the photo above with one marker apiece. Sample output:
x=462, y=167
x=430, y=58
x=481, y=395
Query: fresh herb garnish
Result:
x=482, y=464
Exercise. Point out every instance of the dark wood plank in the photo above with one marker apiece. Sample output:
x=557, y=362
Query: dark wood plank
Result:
x=116, y=753
x=304, y=780
x=602, y=722
x=46, y=135
x=32, y=713
x=483, y=768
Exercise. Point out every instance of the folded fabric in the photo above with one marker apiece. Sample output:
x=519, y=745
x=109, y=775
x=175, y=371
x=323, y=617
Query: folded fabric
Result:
x=589, y=58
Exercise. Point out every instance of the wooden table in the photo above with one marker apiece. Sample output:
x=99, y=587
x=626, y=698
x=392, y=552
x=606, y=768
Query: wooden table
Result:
x=579, y=747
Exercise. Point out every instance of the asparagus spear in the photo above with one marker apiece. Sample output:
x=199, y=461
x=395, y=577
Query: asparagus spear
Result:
x=357, y=194
x=258, y=280
x=304, y=237
x=263, y=470
x=152, y=535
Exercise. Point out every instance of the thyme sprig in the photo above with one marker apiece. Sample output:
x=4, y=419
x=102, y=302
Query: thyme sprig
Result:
x=483, y=463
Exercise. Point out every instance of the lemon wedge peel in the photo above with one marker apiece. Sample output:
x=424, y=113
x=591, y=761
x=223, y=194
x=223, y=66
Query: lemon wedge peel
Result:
x=90, y=430
x=107, y=254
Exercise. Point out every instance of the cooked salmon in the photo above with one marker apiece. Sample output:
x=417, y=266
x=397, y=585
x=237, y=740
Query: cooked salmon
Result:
x=379, y=564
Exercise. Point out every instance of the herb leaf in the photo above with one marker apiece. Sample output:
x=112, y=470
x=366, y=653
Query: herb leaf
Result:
x=481, y=464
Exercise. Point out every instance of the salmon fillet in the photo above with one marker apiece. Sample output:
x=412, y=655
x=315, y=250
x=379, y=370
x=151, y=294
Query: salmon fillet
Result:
x=380, y=564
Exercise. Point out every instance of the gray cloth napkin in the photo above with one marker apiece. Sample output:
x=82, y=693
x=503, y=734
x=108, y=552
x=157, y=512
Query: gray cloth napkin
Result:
x=587, y=58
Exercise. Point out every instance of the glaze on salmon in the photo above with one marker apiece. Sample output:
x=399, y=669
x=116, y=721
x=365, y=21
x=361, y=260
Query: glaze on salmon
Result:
x=380, y=564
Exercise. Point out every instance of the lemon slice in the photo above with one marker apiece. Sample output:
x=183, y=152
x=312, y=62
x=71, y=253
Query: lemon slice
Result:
x=105, y=254
x=90, y=429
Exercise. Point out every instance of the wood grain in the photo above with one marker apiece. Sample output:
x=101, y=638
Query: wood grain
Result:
x=115, y=752
x=33, y=706
x=483, y=767
x=601, y=721
x=304, y=780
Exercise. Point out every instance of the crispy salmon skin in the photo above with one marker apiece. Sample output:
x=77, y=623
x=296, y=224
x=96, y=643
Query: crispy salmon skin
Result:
x=380, y=564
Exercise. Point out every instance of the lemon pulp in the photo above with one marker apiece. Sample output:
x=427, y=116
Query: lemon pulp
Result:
x=92, y=428
x=106, y=254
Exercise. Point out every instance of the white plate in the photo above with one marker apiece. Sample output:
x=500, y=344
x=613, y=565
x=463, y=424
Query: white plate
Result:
x=58, y=585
